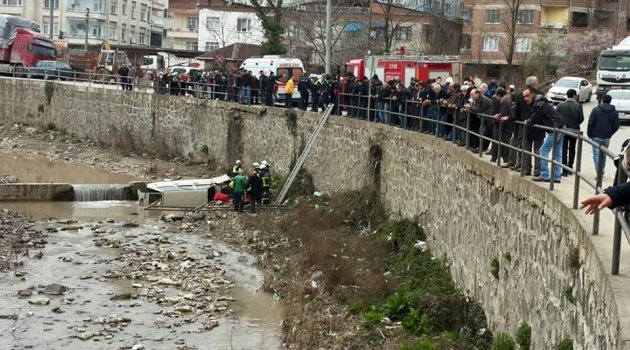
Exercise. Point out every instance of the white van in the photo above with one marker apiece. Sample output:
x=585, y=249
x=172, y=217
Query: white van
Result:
x=279, y=65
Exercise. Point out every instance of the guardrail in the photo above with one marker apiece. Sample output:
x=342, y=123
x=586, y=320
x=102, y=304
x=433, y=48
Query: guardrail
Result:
x=462, y=132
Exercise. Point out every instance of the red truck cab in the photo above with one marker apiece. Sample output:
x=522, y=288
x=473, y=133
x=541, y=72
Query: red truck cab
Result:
x=27, y=48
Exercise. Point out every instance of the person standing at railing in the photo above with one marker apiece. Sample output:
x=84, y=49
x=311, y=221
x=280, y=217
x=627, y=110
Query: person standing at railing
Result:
x=255, y=89
x=262, y=82
x=544, y=114
x=432, y=101
x=123, y=75
x=502, y=127
x=304, y=87
x=325, y=91
x=479, y=106
x=270, y=85
x=603, y=123
x=453, y=112
x=289, y=90
x=315, y=93
x=613, y=197
x=486, y=124
x=379, y=94
x=572, y=111
x=535, y=137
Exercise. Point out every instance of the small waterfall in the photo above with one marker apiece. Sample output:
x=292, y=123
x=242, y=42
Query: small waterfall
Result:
x=89, y=193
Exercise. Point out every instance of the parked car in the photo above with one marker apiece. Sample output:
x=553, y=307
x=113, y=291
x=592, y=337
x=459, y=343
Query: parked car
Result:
x=621, y=101
x=51, y=70
x=558, y=91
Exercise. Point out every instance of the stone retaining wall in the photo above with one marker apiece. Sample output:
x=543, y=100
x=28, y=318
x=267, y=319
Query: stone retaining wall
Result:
x=474, y=212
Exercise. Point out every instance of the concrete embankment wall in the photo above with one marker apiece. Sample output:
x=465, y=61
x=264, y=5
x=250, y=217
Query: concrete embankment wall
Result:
x=36, y=192
x=474, y=212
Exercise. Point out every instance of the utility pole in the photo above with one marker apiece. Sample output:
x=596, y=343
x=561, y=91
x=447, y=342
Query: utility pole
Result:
x=50, y=26
x=328, y=35
x=87, y=26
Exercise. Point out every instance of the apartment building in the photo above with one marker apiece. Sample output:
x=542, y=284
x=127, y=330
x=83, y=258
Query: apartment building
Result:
x=181, y=25
x=226, y=25
x=121, y=22
x=487, y=36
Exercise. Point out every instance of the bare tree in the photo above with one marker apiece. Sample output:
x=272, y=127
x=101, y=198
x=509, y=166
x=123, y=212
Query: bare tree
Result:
x=217, y=25
x=394, y=15
x=510, y=23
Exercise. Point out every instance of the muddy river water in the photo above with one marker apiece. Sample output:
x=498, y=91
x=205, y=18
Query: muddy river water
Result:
x=113, y=277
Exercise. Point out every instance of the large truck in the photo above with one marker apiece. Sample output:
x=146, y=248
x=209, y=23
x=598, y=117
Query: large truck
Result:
x=613, y=68
x=22, y=45
x=405, y=68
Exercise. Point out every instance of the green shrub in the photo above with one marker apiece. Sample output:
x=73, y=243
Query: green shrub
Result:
x=416, y=323
x=508, y=256
x=503, y=341
x=398, y=305
x=574, y=258
x=565, y=344
x=494, y=268
x=524, y=336
x=373, y=317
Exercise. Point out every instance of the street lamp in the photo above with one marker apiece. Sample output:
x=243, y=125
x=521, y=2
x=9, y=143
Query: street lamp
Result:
x=87, y=26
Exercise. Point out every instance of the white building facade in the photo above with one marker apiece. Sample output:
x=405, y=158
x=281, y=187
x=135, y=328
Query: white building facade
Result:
x=222, y=27
x=121, y=22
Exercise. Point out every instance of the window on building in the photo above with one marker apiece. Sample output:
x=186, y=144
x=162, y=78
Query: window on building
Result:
x=402, y=33
x=211, y=46
x=46, y=26
x=526, y=16
x=132, y=35
x=466, y=42
x=493, y=16
x=96, y=31
x=191, y=46
x=112, y=33
x=14, y=3
x=98, y=6
x=491, y=44
x=141, y=36
x=168, y=14
x=523, y=45
x=47, y=4
x=143, y=12
x=133, y=10
x=213, y=23
x=244, y=25
x=113, y=7
x=124, y=7
x=579, y=19
x=123, y=33
x=428, y=33
x=192, y=23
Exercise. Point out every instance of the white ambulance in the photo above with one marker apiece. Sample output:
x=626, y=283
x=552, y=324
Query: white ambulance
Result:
x=279, y=65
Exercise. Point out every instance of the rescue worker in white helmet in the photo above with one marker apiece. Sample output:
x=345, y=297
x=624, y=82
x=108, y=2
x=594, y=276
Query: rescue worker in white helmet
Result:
x=236, y=168
x=256, y=166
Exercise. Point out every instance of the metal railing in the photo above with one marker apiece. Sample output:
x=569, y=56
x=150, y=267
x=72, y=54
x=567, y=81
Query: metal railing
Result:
x=464, y=129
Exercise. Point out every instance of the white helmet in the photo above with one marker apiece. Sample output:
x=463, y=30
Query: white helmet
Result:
x=265, y=163
x=255, y=165
x=238, y=162
x=263, y=167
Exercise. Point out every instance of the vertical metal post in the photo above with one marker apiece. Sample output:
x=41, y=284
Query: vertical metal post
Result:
x=598, y=185
x=523, y=150
x=51, y=3
x=328, y=36
x=552, y=168
x=499, y=143
x=437, y=122
x=467, y=129
x=87, y=26
x=577, y=170
x=421, y=116
x=621, y=178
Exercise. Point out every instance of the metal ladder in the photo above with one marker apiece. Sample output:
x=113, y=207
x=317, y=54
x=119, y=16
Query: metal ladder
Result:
x=304, y=155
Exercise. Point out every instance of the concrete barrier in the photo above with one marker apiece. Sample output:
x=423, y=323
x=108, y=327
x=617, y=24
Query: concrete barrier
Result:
x=36, y=192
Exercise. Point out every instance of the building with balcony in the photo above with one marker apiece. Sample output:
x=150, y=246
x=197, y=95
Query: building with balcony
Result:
x=487, y=36
x=121, y=22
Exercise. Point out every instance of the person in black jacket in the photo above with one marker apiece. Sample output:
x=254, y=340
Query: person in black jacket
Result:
x=573, y=113
x=255, y=189
x=613, y=197
x=603, y=123
x=270, y=85
x=544, y=114
x=535, y=136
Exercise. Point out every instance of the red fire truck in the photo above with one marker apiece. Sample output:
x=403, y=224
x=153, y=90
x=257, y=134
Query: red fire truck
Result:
x=405, y=68
x=21, y=44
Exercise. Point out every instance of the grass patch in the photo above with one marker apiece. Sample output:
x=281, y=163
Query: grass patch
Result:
x=524, y=336
x=49, y=91
x=494, y=268
x=508, y=256
x=568, y=294
x=503, y=341
x=291, y=121
x=574, y=258
x=565, y=344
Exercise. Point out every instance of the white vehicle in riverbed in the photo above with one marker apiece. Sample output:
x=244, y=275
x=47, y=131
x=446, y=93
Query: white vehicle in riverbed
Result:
x=190, y=193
